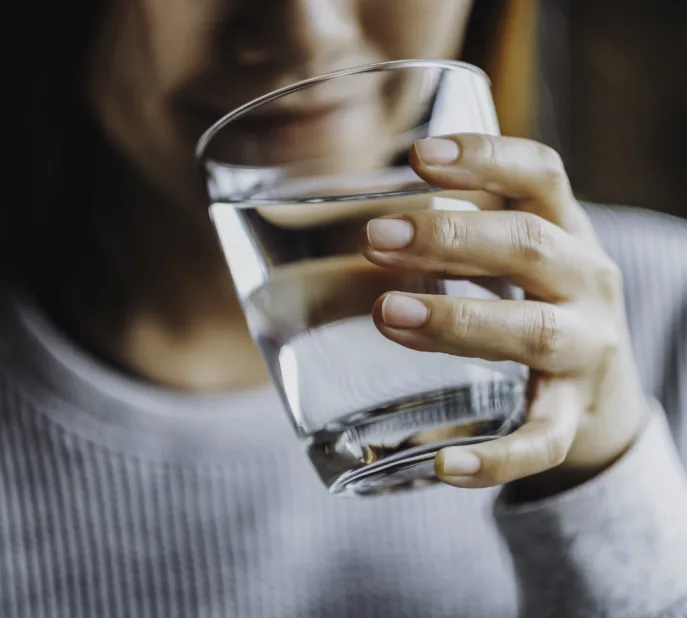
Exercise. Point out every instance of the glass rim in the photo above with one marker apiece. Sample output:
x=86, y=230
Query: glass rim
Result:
x=426, y=63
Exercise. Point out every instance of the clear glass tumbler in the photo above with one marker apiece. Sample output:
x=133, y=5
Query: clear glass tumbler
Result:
x=293, y=177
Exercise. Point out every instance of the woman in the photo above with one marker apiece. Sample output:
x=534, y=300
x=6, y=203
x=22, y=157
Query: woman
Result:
x=144, y=470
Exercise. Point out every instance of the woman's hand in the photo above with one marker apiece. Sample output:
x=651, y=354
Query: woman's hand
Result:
x=586, y=405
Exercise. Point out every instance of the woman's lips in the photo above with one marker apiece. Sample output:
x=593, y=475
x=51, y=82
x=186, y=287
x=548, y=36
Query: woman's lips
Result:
x=297, y=124
x=278, y=135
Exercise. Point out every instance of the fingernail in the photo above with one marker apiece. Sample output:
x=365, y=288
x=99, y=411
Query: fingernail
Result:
x=389, y=234
x=400, y=311
x=458, y=462
x=434, y=151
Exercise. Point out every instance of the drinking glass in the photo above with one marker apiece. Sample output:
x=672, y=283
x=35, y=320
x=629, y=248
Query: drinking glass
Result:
x=293, y=177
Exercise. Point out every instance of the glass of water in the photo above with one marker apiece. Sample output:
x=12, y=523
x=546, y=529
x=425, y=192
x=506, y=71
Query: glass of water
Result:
x=293, y=177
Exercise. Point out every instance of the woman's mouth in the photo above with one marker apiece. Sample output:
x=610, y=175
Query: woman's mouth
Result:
x=276, y=135
x=297, y=124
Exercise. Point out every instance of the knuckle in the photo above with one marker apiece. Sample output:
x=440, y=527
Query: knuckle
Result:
x=542, y=337
x=449, y=231
x=521, y=456
x=556, y=448
x=462, y=317
x=480, y=151
x=609, y=341
x=507, y=464
x=609, y=280
x=489, y=152
x=530, y=237
x=551, y=164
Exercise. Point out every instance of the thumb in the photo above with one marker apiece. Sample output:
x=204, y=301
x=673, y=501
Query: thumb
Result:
x=541, y=443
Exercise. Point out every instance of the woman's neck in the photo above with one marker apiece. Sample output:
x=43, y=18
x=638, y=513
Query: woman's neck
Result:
x=141, y=282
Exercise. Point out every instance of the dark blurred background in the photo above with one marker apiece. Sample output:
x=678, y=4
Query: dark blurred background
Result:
x=613, y=93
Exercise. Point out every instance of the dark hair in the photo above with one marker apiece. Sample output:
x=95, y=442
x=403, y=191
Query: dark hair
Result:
x=42, y=68
x=51, y=130
x=482, y=30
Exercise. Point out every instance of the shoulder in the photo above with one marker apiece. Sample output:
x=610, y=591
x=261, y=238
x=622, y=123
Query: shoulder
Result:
x=651, y=250
x=649, y=247
x=638, y=229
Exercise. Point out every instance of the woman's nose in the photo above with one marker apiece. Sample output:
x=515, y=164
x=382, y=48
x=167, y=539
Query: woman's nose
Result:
x=319, y=29
x=313, y=35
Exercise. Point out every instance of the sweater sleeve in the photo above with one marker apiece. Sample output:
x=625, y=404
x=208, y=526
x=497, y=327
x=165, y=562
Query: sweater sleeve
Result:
x=613, y=547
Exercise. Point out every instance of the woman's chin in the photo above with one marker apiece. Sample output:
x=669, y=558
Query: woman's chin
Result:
x=307, y=216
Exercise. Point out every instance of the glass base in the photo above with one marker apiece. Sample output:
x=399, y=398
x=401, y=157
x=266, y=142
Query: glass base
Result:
x=408, y=473
x=392, y=449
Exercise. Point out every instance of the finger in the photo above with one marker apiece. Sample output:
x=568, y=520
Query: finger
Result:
x=551, y=338
x=530, y=174
x=542, y=443
x=533, y=253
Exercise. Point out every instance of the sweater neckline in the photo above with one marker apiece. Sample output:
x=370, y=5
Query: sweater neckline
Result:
x=72, y=387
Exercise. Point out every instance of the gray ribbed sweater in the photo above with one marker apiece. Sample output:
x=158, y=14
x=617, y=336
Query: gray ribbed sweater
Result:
x=118, y=500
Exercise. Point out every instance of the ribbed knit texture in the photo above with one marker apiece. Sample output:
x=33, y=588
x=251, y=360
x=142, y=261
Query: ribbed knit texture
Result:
x=118, y=500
